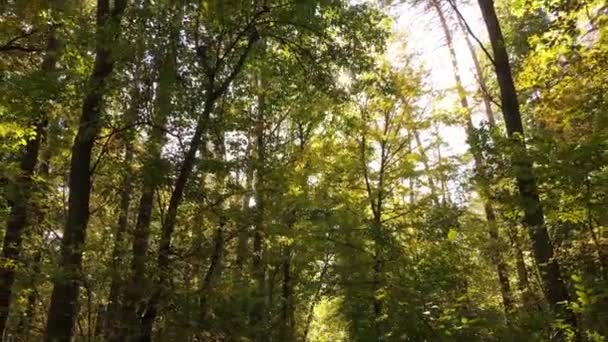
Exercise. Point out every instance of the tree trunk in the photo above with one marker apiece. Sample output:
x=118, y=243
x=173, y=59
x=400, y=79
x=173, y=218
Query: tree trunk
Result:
x=26, y=320
x=483, y=85
x=109, y=317
x=445, y=195
x=523, y=284
x=168, y=226
x=258, y=312
x=553, y=285
x=64, y=299
x=315, y=300
x=217, y=256
x=243, y=233
x=18, y=216
x=287, y=332
x=501, y=267
x=151, y=180
x=215, y=267
x=214, y=92
x=427, y=167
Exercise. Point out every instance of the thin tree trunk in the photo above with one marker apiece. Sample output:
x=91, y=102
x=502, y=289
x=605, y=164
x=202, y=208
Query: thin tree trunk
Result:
x=287, y=326
x=445, y=195
x=427, y=168
x=151, y=180
x=523, y=284
x=602, y=254
x=378, y=241
x=25, y=323
x=217, y=256
x=215, y=268
x=483, y=85
x=314, y=301
x=26, y=320
x=164, y=249
x=109, y=318
x=553, y=284
x=411, y=179
x=18, y=216
x=258, y=312
x=501, y=267
x=243, y=233
x=17, y=221
x=214, y=92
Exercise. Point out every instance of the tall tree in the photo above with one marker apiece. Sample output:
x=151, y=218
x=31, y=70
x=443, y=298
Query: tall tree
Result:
x=23, y=187
x=64, y=300
x=553, y=284
x=501, y=267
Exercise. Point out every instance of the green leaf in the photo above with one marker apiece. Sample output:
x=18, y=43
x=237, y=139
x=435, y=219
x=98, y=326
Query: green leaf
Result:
x=452, y=234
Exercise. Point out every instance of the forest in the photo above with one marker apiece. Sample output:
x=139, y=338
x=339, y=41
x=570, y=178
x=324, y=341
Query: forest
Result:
x=303, y=170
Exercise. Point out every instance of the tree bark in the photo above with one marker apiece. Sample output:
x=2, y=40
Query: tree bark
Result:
x=25, y=323
x=553, y=284
x=18, y=216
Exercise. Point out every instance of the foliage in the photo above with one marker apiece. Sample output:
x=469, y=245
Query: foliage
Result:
x=321, y=200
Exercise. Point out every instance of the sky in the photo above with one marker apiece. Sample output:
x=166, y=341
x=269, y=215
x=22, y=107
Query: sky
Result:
x=424, y=38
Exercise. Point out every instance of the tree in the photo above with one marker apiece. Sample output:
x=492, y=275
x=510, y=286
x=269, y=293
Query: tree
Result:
x=62, y=310
x=553, y=284
x=24, y=186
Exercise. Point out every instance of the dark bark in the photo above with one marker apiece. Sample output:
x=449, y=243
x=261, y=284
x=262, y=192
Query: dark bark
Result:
x=25, y=323
x=375, y=197
x=22, y=190
x=501, y=267
x=287, y=327
x=64, y=298
x=553, y=284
